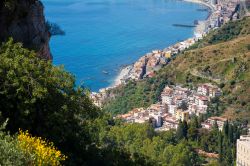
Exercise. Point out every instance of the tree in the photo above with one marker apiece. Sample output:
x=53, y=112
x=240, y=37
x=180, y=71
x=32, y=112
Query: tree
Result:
x=192, y=133
x=183, y=106
x=215, y=127
x=182, y=130
x=182, y=154
x=220, y=148
x=185, y=129
x=43, y=99
x=229, y=157
x=193, y=128
x=179, y=131
x=195, y=123
x=230, y=133
x=225, y=128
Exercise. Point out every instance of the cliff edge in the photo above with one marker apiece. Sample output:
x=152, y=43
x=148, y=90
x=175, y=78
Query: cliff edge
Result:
x=24, y=21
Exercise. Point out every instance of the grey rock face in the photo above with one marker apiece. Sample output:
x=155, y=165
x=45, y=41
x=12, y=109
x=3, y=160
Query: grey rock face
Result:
x=24, y=21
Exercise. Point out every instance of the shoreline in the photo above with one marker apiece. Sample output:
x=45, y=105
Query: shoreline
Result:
x=201, y=2
x=199, y=30
x=123, y=73
x=147, y=65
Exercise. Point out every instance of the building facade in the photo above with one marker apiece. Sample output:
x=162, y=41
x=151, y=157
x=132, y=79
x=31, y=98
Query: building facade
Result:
x=243, y=151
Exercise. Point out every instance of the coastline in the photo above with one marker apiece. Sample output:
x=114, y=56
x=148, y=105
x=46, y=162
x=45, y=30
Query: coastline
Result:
x=201, y=2
x=147, y=65
x=199, y=31
x=201, y=27
x=124, y=72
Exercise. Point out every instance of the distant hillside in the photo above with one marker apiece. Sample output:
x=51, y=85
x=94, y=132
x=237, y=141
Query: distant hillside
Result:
x=222, y=58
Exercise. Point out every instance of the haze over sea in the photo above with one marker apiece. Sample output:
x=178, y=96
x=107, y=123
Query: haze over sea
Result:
x=103, y=35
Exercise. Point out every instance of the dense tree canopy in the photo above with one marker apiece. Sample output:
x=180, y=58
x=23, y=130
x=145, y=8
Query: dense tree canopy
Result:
x=42, y=98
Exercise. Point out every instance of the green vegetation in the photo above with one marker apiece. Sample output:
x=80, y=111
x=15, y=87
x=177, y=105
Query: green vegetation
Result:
x=225, y=63
x=10, y=153
x=147, y=147
x=43, y=99
x=9, y=4
x=26, y=150
x=229, y=31
x=221, y=58
x=135, y=94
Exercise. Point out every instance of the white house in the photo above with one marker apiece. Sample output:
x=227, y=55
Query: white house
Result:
x=172, y=109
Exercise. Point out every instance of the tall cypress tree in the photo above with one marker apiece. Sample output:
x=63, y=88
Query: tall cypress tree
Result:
x=179, y=132
x=220, y=148
x=185, y=129
x=225, y=128
x=230, y=133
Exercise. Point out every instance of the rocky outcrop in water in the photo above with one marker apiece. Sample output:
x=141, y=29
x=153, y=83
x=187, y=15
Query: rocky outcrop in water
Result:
x=24, y=21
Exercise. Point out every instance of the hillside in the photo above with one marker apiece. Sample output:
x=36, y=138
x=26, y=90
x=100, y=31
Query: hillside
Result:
x=46, y=120
x=221, y=58
x=227, y=32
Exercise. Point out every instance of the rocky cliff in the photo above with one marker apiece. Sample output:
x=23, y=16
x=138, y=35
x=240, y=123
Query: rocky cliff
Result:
x=24, y=21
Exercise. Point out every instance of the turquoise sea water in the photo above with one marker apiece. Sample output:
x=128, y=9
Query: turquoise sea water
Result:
x=103, y=35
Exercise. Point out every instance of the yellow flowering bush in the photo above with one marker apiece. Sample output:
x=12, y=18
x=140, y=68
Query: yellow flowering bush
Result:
x=43, y=152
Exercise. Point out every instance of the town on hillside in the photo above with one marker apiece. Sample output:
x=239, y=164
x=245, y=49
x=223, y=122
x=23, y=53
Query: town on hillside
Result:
x=177, y=103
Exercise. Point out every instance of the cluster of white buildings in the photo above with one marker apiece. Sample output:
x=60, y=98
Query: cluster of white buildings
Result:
x=154, y=113
x=177, y=103
x=153, y=61
x=210, y=122
x=178, y=47
x=99, y=97
x=146, y=65
x=222, y=12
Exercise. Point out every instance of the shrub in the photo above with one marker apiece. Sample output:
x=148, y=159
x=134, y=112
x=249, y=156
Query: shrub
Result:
x=248, y=46
x=10, y=4
x=27, y=150
x=10, y=153
x=232, y=82
x=44, y=152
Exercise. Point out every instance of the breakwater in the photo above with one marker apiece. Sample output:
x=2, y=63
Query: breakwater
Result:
x=184, y=25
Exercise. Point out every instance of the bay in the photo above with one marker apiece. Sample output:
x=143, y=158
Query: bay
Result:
x=103, y=35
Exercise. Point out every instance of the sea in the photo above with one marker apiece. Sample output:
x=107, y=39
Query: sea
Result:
x=102, y=36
